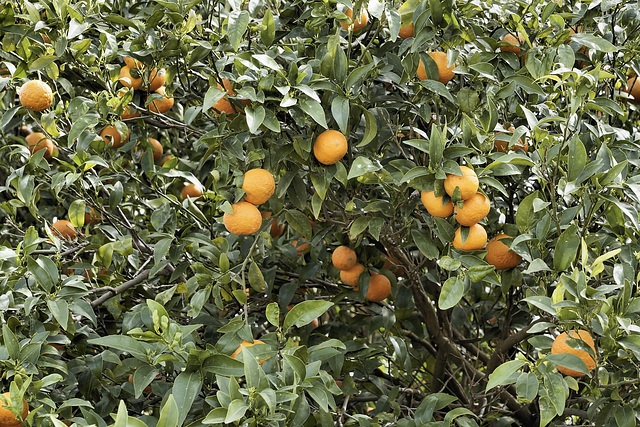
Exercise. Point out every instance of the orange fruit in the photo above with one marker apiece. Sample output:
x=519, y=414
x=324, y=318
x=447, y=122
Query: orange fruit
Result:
x=406, y=31
x=561, y=346
x=112, y=137
x=475, y=241
x=133, y=63
x=358, y=24
x=38, y=141
x=192, y=191
x=300, y=247
x=157, y=79
x=350, y=277
x=130, y=113
x=259, y=186
x=344, y=258
x=157, y=149
x=161, y=105
x=36, y=95
x=467, y=183
x=245, y=219
x=330, y=146
x=379, y=287
x=633, y=88
x=64, y=229
x=435, y=204
x=276, y=230
x=7, y=419
x=473, y=210
x=499, y=255
x=515, y=43
x=246, y=344
x=501, y=146
x=127, y=80
x=445, y=74
x=223, y=105
x=91, y=217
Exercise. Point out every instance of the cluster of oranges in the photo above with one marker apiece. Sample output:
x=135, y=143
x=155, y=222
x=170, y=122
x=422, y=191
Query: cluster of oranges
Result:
x=134, y=75
x=259, y=185
x=345, y=259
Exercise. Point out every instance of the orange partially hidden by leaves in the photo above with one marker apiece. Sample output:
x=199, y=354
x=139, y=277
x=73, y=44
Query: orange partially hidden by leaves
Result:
x=246, y=344
x=163, y=104
x=128, y=79
x=501, y=146
x=350, y=277
x=191, y=191
x=561, y=346
x=379, y=287
x=38, y=141
x=64, y=229
x=36, y=95
x=259, y=186
x=434, y=204
x=91, y=217
x=7, y=419
x=157, y=79
x=476, y=239
x=633, y=88
x=223, y=105
x=445, y=73
x=358, y=24
x=133, y=63
x=406, y=31
x=112, y=137
x=344, y=258
x=514, y=43
x=330, y=146
x=157, y=149
x=473, y=210
x=300, y=246
x=499, y=255
x=467, y=183
x=244, y=220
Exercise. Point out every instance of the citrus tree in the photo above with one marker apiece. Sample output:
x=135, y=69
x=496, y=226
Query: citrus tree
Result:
x=271, y=213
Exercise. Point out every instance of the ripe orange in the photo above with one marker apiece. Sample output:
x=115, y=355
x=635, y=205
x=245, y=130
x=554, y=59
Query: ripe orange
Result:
x=434, y=204
x=157, y=79
x=406, y=32
x=91, y=217
x=133, y=63
x=38, y=141
x=499, y=255
x=64, y=229
x=127, y=80
x=247, y=344
x=161, y=105
x=36, y=95
x=501, y=146
x=473, y=210
x=112, y=137
x=445, y=74
x=330, y=146
x=157, y=149
x=130, y=112
x=244, y=220
x=300, y=246
x=475, y=241
x=350, y=277
x=633, y=88
x=515, y=43
x=379, y=287
x=561, y=346
x=358, y=24
x=259, y=186
x=223, y=105
x=192, y=191
x=344, y=258
x=7, y=419
x=468, y=183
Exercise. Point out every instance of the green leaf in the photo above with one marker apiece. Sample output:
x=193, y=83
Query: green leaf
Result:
x=362, y=165
x=186, y=388
x=451, y=293
x=503, y=375
x=273, y=314
x=299, y=222
x=357, y=76
x=60, y=310
x=76, y=213
x=123, y=343
x=438, y=88
x=577, y=159
x=315, y=110
x=358, y=226
x=84, y=122
x=436, y=147
x=237, y=409
x=340, y=112
x=594, y=42
x=122, y=416
x=424, y=243
x=268, y=33
x=625, y=417
x=544, y=303
x=527, y=386
x=370, y=129
x=169, y=414
x=256, y=279
x=219, y=364
x=566, y=248
x=525, y=219
x=215, y=416
x=42, y=62
x=436, y=11
x=254, y=117
x=303, y=313
x=11, y=343
x=238, y=23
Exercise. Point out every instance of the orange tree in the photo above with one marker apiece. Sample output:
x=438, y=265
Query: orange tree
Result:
x=133, y=307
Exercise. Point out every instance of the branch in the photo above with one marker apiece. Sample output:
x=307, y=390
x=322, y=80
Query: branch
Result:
x=120, y=289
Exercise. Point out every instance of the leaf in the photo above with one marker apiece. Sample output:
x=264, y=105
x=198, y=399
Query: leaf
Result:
x=123, y=343
x=340, y=112
x=527, y=386
x=268, y=33
x=11, y=343
x=451, y=293
x=358, y=226
x=303, y=313
x=256, y=279
x=236, y=411
x=238, y=23
x=544, y=303
x=503, y=375
x=186, y=388
x=362, y=165
x=169, y=414
x=438, y=88
x=577, y=159
x=525, y=219
x=315, y=110
x=60, y=310
x=76, y=213
x=254, y=117
x=566, y=248
x=370, y=129
x=424, y=243
x=594, y=42
x=273, y=314
x=299, y=222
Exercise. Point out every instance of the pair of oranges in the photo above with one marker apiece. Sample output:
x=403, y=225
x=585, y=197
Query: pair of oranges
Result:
x=259, y=185
x=345, y=259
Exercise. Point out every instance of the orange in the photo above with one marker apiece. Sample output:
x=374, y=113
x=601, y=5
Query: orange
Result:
x=259, y=186
x=91, y=217
x=379, y=287
x=473, y=210
x=344, y=258
x=633, y=88
x=501, y=146
x=561, y=346
x=499, y=255
x=112, y=137
x=245, y=219
x=38, y=141
x=276, y=230
x=36, y=95
x=223, y=105
x=476, y=239
x=300, y=247
x=515, y=43
x=435, y=204
x=445, y=74
x=192, y=191
x=163, y=104
x=358, y=24
x=157, y=149
x=7, y=419
x=64, y=229
x=467, y=183
x=406, y=32
x=127, y=80
x=350, y=277
x=157, y=79
x=247, y=344
x=133, y=63
x=130, y=113
x=330, y=146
